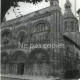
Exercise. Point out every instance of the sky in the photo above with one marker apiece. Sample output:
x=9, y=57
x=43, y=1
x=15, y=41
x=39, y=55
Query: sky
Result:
x=26, y=8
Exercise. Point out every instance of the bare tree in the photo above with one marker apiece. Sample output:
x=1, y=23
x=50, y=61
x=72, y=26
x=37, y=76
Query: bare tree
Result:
x=6, y=4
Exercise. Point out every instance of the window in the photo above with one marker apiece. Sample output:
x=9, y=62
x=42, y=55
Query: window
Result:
x=72, y=26
x=65, y=25
x=77, y=27
x=39, y=32
x=77, y=55
x=68, y=6
x=40, y=27
x=6, y=36
x=22, y=39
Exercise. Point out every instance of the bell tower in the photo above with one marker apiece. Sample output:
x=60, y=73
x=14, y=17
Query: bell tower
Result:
x=70, y=21
x=67, y=6
x=54, y=3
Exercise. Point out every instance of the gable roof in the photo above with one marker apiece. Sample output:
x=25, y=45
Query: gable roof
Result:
x=74, y=37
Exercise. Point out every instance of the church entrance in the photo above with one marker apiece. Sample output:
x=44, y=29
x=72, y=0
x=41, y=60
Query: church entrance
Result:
x=39, y=63
x=20, y=68
x=18, y=63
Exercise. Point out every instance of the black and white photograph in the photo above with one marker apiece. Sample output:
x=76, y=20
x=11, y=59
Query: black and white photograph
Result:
x=40, y=40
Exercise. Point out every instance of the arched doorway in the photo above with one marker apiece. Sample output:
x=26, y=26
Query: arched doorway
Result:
x=39, y=63
x=18, y=61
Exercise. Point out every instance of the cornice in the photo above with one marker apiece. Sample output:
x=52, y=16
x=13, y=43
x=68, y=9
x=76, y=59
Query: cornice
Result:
x=70, y=18
x=27, y=20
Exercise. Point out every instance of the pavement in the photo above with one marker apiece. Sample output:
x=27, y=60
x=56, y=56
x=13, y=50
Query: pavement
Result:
x=25, y=77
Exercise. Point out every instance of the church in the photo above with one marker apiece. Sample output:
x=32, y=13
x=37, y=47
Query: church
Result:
x=42, y=43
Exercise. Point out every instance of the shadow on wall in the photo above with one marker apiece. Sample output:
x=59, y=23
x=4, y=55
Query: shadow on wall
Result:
x=72, y=74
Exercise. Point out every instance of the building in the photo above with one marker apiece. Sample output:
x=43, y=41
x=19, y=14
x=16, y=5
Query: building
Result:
x=78, y=66
x=43, y=43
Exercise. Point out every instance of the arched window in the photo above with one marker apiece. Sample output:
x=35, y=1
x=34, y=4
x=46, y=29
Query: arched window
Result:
x=6, y=36
x=67, y=7
x=72, y=26
x=40, y=31
x=65, y=24
x=22, y=39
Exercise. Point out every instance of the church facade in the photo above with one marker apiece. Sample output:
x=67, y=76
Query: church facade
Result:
x=42, y=43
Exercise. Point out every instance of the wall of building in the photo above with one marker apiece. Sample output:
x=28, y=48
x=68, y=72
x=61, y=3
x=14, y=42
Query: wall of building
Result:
x=34, y=44
x=49, y=35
